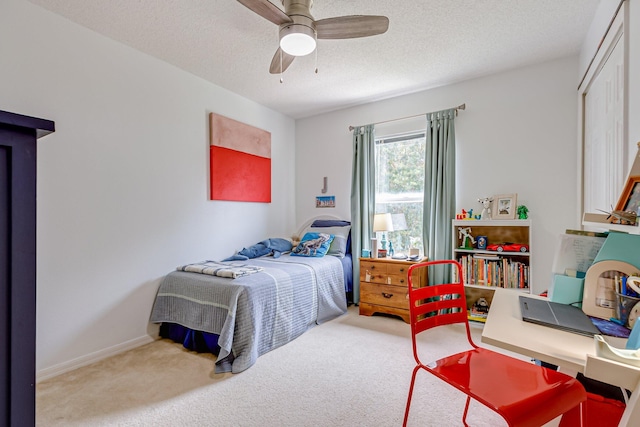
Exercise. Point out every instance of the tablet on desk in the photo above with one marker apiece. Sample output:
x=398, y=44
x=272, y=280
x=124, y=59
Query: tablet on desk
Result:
x=558, y=316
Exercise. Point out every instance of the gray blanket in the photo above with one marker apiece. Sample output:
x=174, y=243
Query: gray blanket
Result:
x=232, y=270
x=257, y=313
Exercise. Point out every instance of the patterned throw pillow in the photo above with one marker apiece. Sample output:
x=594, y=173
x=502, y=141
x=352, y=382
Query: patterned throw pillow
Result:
x=340, y=238
x=313, y=245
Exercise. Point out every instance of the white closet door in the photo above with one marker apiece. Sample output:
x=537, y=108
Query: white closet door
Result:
x=604, y=169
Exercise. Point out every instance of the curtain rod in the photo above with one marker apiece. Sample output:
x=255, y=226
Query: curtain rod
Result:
x=459, y=107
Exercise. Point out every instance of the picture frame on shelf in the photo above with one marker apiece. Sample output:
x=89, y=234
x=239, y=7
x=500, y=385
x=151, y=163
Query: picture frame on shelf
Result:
x=505, y=206
x=630, y=197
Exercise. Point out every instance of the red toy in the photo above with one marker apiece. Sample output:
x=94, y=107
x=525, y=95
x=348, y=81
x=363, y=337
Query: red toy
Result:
x=508, y=247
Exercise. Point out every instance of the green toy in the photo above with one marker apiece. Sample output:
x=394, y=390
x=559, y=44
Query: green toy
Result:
x=523, y=212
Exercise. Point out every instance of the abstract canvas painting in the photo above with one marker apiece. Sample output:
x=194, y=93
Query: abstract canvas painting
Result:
x=239, y=161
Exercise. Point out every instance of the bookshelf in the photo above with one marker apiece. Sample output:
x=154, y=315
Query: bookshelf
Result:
x=484, y=270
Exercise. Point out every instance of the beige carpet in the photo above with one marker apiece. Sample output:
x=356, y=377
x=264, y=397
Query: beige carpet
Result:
x=352, y=371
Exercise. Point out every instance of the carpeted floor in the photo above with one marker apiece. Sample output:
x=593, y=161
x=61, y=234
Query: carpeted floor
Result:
x=352, y=371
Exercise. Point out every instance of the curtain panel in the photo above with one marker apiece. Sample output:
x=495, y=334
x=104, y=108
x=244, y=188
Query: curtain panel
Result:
x=363, y=195
x=439, y=202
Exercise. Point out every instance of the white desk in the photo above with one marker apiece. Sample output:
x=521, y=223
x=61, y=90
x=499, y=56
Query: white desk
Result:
x=571, y=352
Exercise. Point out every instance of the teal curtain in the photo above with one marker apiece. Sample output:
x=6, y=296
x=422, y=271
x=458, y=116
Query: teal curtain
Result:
x=363, y=193
x=439, y=190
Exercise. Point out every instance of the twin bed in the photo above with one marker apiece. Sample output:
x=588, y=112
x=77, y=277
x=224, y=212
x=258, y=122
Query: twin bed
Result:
x=242, y=309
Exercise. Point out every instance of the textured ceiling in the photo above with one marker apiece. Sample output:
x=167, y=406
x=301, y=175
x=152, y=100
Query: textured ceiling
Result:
x=429, y=43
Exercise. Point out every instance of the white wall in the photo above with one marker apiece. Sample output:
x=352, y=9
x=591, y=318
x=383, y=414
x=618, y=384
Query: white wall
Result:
x=517, y=135
x=122, y=183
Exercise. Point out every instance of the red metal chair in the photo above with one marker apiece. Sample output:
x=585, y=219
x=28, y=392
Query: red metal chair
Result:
x=523, y=393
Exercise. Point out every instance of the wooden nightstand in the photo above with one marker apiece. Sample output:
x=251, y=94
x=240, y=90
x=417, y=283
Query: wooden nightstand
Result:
x=386, y=290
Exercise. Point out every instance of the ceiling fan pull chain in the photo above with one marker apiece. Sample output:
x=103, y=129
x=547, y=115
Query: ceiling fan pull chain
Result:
x=316, y=59
x=281, y=78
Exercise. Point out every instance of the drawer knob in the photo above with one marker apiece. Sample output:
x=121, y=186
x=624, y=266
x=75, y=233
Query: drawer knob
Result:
x=386, y=295
x=401, y=280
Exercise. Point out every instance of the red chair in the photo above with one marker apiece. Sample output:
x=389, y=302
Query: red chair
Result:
x=523, y=393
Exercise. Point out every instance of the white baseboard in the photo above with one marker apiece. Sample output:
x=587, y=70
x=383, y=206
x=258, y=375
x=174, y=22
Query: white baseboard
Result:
x=61, y=368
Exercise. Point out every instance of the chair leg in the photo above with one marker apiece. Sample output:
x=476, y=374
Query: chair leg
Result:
x=466, y=409
x=413, y=381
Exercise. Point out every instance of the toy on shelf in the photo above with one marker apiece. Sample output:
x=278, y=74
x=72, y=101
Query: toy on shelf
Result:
x=467, y=215
x=508, y=247
x=523, y=212
x=464, y=233
x=486, y=207
x=621, y=217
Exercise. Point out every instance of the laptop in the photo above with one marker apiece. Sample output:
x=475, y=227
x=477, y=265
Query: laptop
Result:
x=556, y=315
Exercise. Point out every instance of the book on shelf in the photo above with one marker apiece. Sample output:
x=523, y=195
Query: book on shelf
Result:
x=504, y=272
x=487, y=257
x=476, y=317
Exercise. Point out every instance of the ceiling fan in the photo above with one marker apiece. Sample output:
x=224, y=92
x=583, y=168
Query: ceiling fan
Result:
x=299, y=31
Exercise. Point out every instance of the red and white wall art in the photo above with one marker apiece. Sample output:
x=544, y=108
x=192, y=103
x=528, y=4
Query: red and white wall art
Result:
x=239, y=161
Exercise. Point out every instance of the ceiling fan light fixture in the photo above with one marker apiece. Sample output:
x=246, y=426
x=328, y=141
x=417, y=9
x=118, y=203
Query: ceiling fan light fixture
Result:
x=297, y=40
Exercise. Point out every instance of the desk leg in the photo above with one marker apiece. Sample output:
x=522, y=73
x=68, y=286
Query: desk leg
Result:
x=632, y=411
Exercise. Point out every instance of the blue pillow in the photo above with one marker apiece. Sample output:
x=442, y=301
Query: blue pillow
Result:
x=330, y=223
x=313, y=245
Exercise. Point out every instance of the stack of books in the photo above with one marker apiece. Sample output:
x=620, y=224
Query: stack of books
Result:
x=477, y=316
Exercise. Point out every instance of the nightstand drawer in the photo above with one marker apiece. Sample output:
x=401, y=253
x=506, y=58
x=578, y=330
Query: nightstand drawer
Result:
x=377, y=271
x=375, y=264
x=397, y=275
x=384, y=295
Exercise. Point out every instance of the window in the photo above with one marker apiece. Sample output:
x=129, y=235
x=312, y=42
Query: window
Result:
x=399, y=167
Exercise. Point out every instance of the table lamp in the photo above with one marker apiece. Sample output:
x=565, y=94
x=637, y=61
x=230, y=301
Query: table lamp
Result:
x=399, y=223
x=382, y=223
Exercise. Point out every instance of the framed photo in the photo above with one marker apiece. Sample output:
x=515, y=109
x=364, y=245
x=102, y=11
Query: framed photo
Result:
x=505, y=206
x=326, y=202
x=630, y=197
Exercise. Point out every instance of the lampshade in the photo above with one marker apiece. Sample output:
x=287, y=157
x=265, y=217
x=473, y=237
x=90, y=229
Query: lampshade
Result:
x=382, y=222
x=297, y=40
x=399, y=222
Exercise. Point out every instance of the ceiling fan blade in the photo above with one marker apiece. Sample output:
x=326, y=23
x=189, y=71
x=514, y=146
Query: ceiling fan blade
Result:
x=348, y=27
x=275, y=62
x=267, y=10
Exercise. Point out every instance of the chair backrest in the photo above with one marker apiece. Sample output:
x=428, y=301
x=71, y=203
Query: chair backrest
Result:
x=437, y=304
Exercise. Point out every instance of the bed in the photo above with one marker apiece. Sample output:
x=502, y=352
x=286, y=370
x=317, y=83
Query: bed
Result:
x=261, y=303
